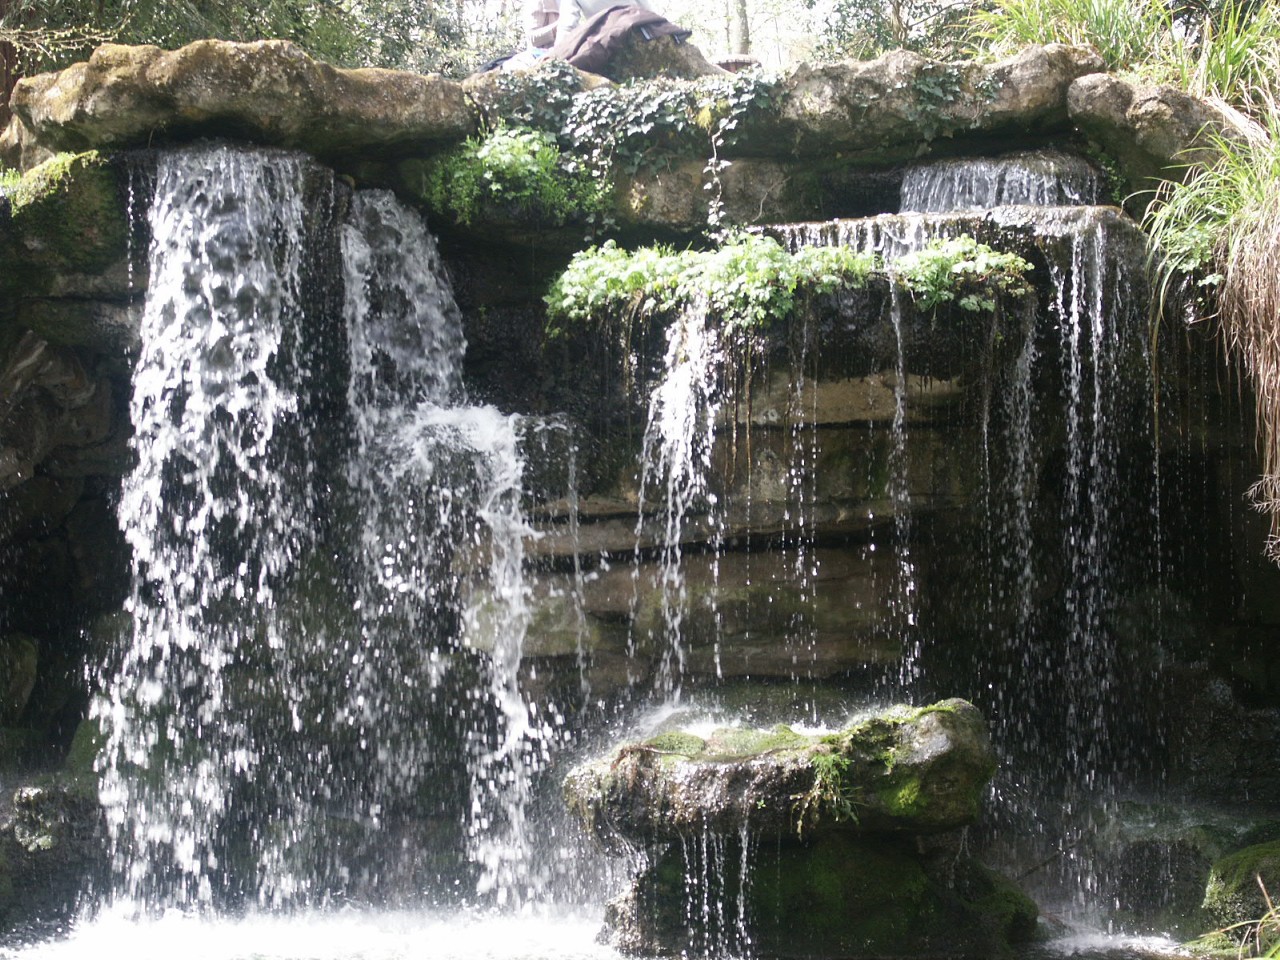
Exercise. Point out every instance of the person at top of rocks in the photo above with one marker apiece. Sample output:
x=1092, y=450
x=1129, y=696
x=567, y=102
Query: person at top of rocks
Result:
x=540, y=18
x=572, y=13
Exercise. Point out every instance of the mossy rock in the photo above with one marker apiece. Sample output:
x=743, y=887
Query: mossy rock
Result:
x=904, y=770
x=66, y=216
x=1233, y=895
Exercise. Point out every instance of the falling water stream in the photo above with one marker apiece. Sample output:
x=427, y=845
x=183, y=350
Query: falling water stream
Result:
x=317, y=723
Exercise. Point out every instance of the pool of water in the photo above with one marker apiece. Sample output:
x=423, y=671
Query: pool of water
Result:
x=358, y=934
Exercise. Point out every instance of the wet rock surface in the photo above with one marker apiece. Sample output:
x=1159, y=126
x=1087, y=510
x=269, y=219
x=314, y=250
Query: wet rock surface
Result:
x=1154, y=132
x=912, y=771
x=805, y=845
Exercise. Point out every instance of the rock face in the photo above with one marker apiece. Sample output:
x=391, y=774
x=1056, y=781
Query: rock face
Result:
x=1233, y=894
x=888, y=106
x=809, y=845
x=50, y=848
x=270, y=92
x=1154, y=132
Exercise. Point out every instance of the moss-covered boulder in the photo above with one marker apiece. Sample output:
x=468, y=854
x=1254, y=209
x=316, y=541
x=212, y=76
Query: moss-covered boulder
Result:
x=798, y=845
x=916, y=771
x=1235, y=892
x=65, y=218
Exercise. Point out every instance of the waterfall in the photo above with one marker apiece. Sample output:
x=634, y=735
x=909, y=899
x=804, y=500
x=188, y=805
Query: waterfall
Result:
x=1045, y=179
x=217, y=511
x=321, y=658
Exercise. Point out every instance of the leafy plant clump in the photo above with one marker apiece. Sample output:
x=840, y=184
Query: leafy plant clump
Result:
x=752, y=280
x=830, y=792
x=746, y=282
x=511, y=168
x=1222, y=226
x=963, y=271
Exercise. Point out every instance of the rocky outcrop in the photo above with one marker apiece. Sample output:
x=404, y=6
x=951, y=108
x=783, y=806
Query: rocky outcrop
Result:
x=1154, y=133
x=54, y=406
x=270, y=92
x=805, y=845
x=51, y=850
x=886, y=108
x=1240, y=885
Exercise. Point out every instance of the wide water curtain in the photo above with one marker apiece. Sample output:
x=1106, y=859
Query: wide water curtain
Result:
x=328, y=603
x=217, y=511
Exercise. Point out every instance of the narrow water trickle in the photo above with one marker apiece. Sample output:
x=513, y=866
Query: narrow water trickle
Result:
x=678, y=442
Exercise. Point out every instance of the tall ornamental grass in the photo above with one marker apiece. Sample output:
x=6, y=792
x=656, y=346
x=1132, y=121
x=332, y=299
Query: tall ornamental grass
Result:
x=1223, y=224
x=1124, y=32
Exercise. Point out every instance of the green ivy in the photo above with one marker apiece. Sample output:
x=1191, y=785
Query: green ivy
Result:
x=636, y=125
x=962, y=271
x=746, y=282
x=520, y=170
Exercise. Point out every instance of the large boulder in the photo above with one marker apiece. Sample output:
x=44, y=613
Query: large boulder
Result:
x=804, y=845
x=270, y=92
x=846, y=897
x=915, y=771
x=886, y=109
x=1154, y=133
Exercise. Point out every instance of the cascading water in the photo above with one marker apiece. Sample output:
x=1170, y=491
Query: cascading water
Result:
x=676, y=462
x=257, y=746
x=1053, y=687
x=217, y=511
x=1043, y=179
x=439, y=486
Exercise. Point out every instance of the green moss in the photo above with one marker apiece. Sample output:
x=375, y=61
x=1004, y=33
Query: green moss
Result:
x=901, y=799
x=68, y=214
x=678, y=742
x=1232, y=895
x=734, y=742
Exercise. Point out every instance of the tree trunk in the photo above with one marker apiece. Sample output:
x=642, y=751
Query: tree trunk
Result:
x=8, y=70
x=739, y=27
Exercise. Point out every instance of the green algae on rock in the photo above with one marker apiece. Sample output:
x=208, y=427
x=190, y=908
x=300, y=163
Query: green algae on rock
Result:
x=843, y=844
x=917, y=771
